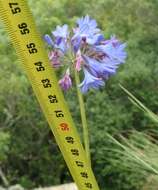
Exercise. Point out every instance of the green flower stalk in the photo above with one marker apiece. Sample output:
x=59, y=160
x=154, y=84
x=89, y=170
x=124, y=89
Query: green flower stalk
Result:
x=83, y=118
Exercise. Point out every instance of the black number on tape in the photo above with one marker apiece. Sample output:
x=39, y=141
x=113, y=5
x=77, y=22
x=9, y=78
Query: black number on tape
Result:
x=88, y=185
x=79, y=164
x=59, y=113
x=70, y=140
x=14, y=8
x=75, y=152
x=46, y=83
x=32, y=48
x=39, y=66
x=84, y=174
x=53, y=99
x=23, y=28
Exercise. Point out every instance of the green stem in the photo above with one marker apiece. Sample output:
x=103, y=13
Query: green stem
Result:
x=4, y=179
x=83, y=118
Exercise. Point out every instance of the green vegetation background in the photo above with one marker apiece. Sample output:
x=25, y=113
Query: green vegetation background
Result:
x=28, y=152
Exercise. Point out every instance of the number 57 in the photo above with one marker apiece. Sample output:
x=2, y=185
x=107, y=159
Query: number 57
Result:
x=14, y=8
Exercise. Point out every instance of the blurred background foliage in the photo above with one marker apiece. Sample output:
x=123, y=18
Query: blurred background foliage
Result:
x=28, y=152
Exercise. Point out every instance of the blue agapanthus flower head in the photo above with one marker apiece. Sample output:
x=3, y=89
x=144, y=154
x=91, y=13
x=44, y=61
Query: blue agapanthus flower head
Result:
x=94, y=55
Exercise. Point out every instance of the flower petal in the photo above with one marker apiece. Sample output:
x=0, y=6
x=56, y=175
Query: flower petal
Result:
x=113, y=50
x=49, y=40
x=90, y=82
x=61, y=31
x=87, y=29
x=100, y=69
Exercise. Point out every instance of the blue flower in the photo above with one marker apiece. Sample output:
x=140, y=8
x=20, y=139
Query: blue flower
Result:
x=100, y=69
x=76, y=44
x=112, y=66
x=113, y=50
x=98, y=38
x=94, y=40
x=85, y=49
x=61, y=35
x=58, y=43
x=62, y=44
x=87, y=30
x=87, y=26
x=61, y=31
x=90, y=81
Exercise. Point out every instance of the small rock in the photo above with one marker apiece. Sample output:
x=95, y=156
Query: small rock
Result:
x=1, y=188
x=16, y=187
x=71, y=186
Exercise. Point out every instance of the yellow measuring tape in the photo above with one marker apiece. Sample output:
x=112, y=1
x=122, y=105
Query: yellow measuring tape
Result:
x=30, y=49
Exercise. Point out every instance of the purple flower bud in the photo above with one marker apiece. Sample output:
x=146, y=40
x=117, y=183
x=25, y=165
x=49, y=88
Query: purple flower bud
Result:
x=49, y=40
x=66, y=83
x=79, y=61
x=54, y=57
x=76, y=43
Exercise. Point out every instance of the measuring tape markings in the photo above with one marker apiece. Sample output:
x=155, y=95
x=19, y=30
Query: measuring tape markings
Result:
x=22, y=30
